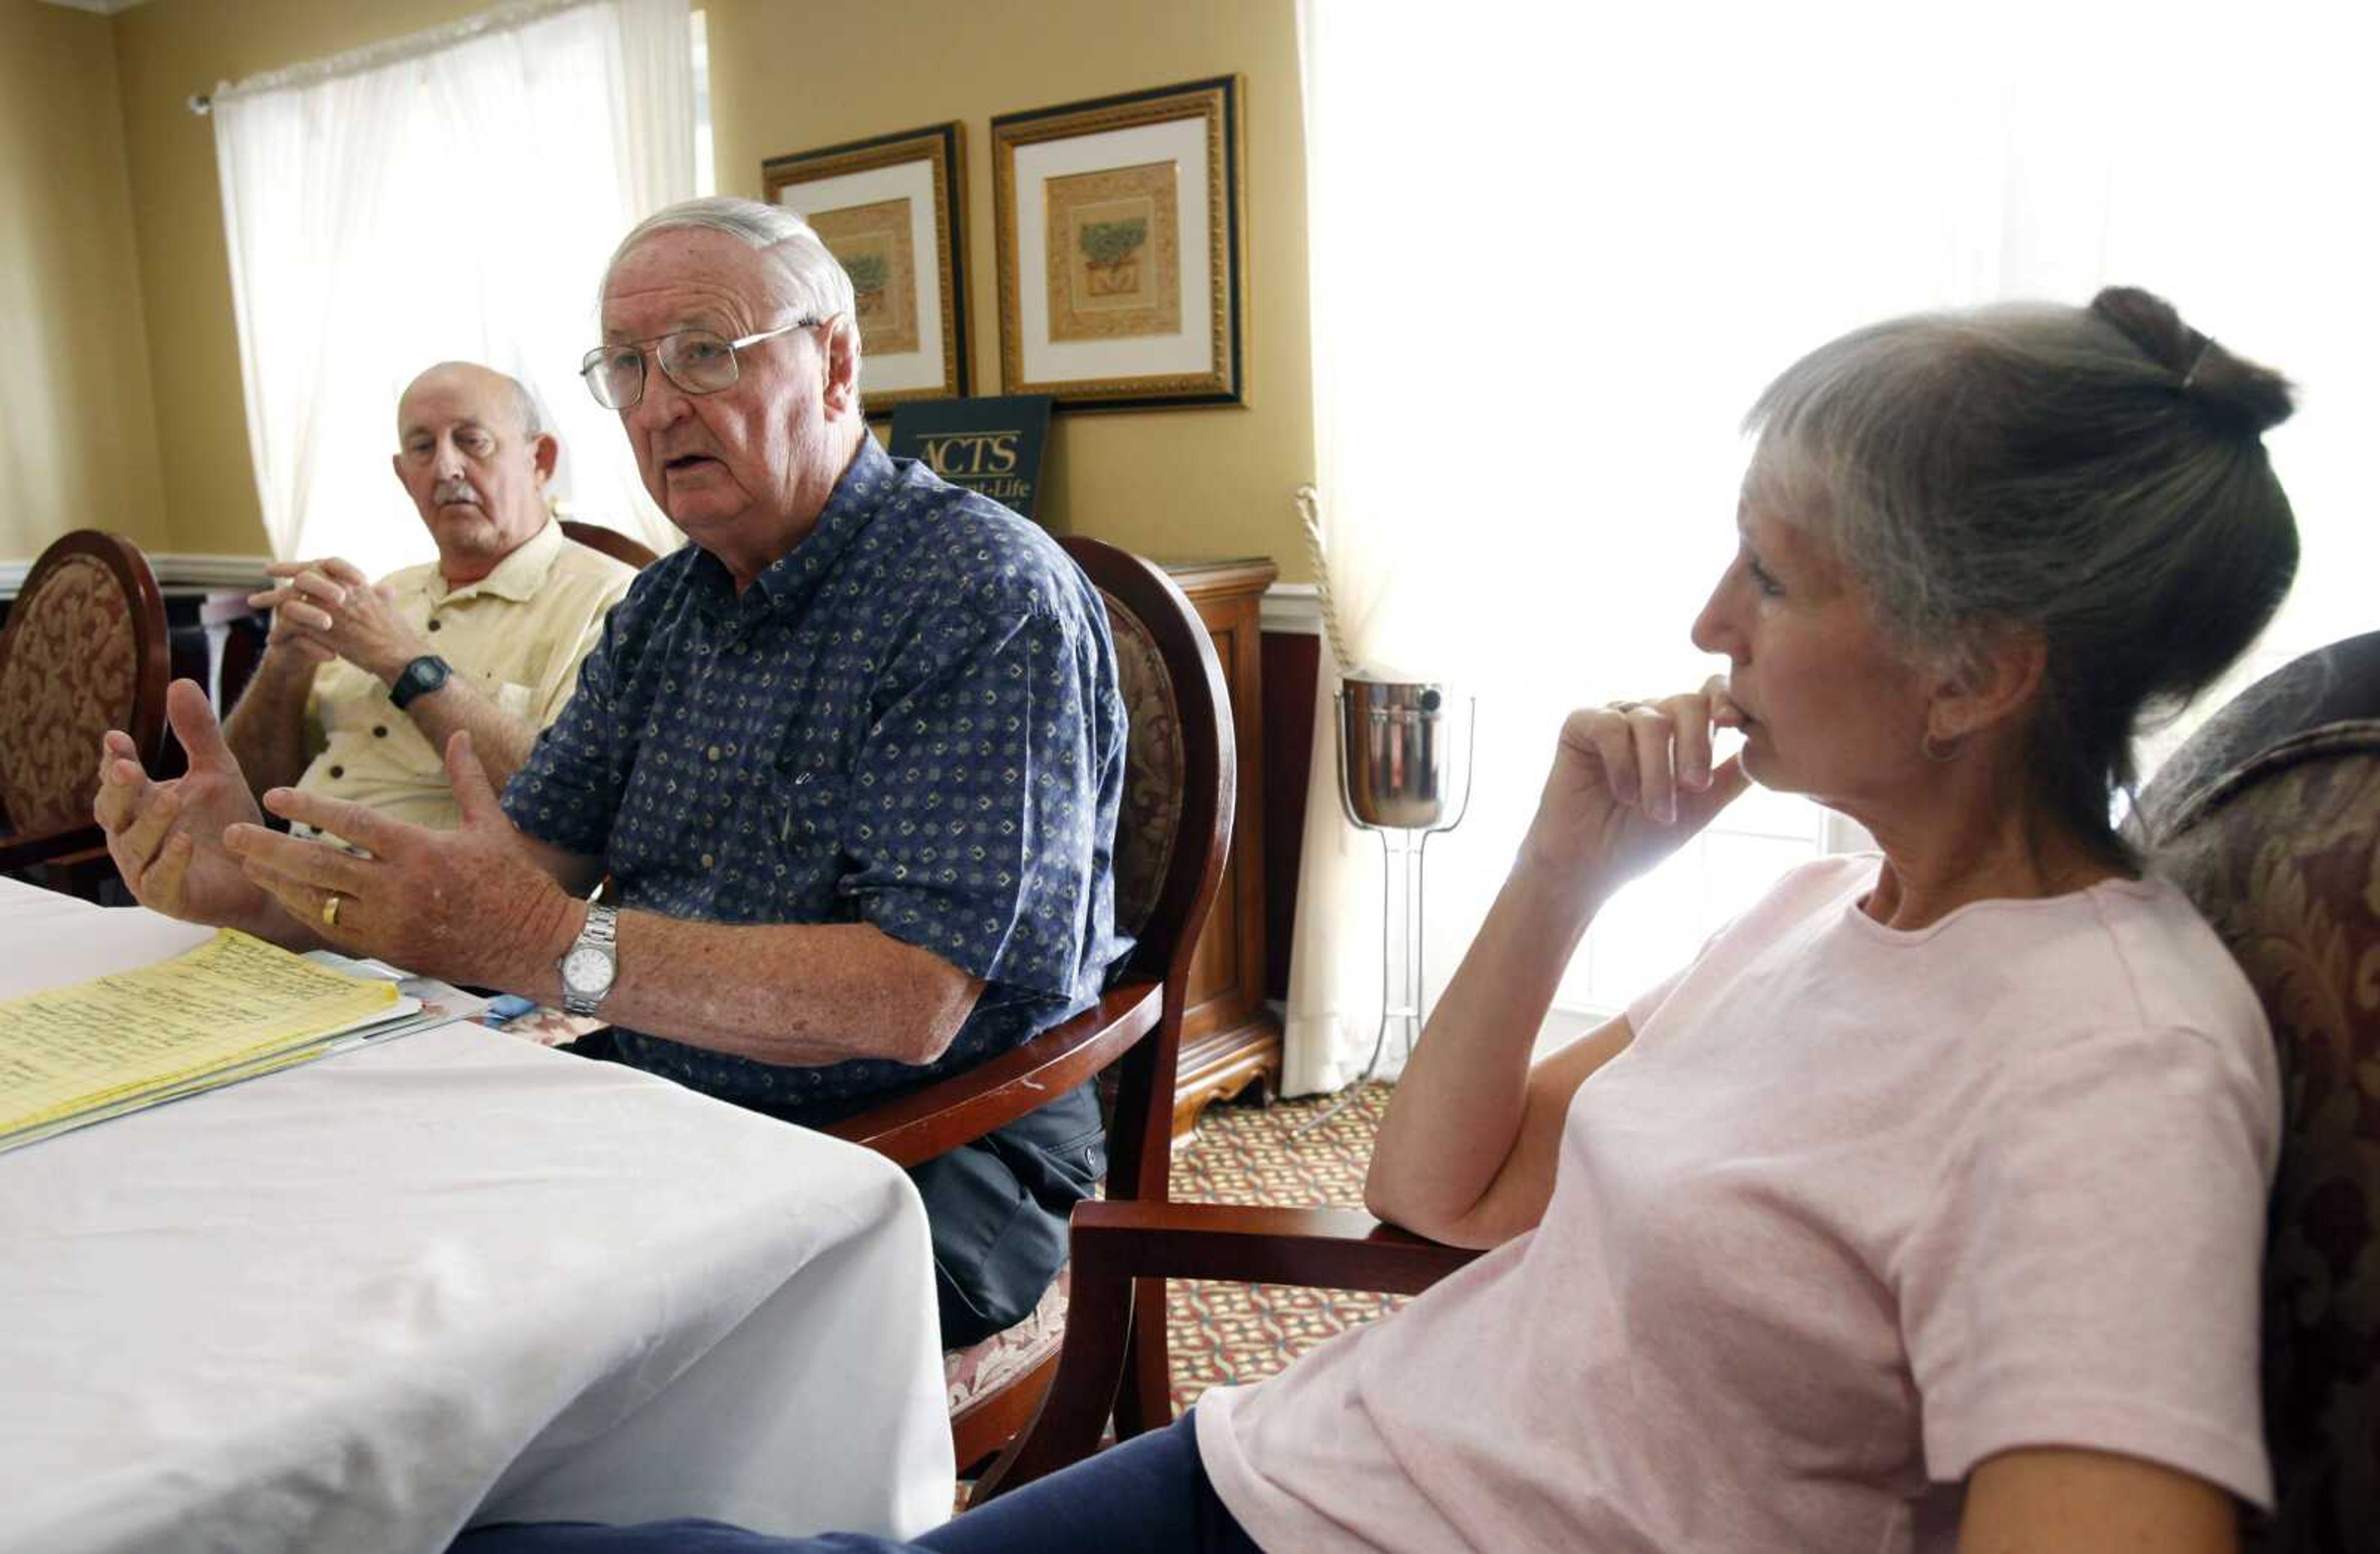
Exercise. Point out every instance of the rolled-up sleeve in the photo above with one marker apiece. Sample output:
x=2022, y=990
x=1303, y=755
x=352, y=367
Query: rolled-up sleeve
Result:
x=970, y=817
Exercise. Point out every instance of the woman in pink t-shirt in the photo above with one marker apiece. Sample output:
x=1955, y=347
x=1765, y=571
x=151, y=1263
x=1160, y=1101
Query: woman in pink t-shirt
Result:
x=1923, y=1211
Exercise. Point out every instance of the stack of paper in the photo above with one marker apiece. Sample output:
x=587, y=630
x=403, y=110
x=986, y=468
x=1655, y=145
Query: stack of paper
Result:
x=229, y=1010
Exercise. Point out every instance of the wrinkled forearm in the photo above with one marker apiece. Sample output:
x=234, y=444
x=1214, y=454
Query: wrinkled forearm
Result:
x=790, y=994
x=1456, y=1116
x=267, y=730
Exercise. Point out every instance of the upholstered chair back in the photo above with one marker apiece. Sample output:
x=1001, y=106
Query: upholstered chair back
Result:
x=1150, y=815
x=84, y=651
x=2280, y=849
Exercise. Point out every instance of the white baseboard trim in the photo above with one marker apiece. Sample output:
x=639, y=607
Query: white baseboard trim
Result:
x=174, y=570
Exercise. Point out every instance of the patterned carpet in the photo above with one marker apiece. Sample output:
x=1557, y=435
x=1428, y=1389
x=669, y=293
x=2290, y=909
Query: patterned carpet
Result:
x=1245, y=1154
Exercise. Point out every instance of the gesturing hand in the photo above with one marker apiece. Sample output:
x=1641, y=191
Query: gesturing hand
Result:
x=1631, y=783
x=470, y=905
x=327, y=609
x=166, y=837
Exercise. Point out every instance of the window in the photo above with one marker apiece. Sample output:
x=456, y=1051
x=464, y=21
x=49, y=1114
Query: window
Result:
x=451, y=195
x=1558, y=252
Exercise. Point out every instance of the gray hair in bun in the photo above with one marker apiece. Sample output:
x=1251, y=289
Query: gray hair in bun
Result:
x=2096, y=475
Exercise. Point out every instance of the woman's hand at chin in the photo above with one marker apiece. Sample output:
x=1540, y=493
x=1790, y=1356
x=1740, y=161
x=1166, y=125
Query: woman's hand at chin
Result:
x=1631, y=783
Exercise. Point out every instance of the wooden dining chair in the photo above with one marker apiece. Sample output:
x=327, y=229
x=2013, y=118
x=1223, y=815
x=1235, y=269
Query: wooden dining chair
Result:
x=610, y=541
x=1172, y=831
x=84, y=651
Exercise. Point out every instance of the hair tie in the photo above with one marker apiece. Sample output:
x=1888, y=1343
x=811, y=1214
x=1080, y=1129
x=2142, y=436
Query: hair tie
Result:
x=2196, y=362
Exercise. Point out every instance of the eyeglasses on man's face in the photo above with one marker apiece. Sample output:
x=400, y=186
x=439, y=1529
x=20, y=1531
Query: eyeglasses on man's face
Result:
x=696, y=360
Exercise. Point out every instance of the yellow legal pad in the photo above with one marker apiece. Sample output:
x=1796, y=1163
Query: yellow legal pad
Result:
x=231, y=1008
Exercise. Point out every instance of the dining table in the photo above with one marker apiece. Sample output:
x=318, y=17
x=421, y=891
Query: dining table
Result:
x=447, y=1280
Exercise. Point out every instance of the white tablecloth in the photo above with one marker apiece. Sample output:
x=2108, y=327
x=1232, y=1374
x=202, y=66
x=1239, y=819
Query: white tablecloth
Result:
x=453, y=1279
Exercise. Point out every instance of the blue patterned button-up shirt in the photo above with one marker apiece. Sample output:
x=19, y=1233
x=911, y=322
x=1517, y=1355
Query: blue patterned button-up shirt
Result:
x=911, y=721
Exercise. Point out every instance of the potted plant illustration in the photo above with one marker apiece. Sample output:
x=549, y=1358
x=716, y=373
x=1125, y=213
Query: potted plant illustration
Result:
x=1112, y=255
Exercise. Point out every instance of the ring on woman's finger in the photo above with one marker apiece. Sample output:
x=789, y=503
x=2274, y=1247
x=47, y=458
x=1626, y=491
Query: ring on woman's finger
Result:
x=331, y=904
x=1623, y=706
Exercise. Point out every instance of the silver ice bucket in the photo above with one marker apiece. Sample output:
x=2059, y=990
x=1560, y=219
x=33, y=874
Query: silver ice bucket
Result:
x=1398, y=757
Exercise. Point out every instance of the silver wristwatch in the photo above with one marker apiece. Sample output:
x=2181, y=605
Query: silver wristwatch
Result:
x=592, y=962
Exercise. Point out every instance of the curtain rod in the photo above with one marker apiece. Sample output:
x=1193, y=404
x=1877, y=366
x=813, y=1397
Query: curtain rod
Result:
x=504, y=18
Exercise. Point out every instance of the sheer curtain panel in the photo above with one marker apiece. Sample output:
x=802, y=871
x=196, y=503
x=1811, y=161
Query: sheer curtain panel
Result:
x=449, y=195
x=1557, y=251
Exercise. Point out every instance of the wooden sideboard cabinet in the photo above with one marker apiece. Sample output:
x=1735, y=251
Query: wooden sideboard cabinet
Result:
x=1229, y=1039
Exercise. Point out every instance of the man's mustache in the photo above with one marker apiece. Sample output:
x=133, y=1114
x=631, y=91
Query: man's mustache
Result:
x=454, y=489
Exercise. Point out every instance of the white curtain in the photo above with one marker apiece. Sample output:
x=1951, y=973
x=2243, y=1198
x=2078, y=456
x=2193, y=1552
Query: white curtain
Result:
x=1557, y=251
x=450, y=195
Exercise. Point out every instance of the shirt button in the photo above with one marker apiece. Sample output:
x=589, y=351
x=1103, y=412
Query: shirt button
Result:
x=708, y=862
x=712, y=752
x=434, y=622
x=379, y=731
x=338, y=772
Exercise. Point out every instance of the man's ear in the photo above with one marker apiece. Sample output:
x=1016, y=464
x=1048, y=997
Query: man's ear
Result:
x=841, y=396
x=397, y=467
x=1995, y=684
x=542, y=452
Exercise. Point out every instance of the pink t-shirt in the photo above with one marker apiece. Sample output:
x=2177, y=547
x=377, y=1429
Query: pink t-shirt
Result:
x=1856, y=1209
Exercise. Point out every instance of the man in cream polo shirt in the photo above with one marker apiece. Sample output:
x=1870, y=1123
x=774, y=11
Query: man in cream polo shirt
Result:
x=362, y=684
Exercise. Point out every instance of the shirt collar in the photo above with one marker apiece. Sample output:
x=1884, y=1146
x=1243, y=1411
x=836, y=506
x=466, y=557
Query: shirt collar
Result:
x=517, y=578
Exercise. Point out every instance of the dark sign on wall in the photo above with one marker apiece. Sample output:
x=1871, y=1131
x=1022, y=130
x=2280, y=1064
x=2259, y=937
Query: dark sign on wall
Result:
x=991, y=445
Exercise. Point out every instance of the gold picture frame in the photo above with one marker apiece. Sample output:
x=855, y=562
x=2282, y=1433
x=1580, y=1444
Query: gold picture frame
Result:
x=892, y=209
x=1122, y=247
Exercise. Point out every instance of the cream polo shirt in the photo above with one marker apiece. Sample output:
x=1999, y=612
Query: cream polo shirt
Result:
x=516, y=634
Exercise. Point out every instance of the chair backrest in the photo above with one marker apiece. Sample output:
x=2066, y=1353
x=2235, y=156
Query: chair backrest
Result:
x=84, y=651
x=610, y=541
x=2330, y=685
x=2269, y=818
x=1173, y=827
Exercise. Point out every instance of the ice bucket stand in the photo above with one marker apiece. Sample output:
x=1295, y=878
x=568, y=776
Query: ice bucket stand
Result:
x=1397, y=778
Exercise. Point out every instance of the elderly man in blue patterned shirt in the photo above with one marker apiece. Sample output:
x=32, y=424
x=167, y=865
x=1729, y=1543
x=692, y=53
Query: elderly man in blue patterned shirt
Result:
x=852, y=758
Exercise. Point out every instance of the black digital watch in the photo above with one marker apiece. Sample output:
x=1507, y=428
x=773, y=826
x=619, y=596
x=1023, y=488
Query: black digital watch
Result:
x=420, y=678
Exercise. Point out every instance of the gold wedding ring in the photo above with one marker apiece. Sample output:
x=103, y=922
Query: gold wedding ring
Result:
x=331, y=910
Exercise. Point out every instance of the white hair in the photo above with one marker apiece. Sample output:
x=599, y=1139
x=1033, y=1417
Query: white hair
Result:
x=807, y=277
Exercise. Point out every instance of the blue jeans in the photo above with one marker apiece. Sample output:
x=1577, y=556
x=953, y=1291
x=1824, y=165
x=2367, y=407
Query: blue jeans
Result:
x=1149, y=1495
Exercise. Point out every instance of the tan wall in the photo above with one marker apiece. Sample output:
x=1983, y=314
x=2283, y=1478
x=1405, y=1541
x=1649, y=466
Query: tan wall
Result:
x=78, y=444
x=165, y=50
x=1171, y=483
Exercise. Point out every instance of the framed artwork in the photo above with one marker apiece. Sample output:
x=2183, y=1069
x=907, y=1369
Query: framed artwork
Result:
x=1121, y=243
x=890, y=210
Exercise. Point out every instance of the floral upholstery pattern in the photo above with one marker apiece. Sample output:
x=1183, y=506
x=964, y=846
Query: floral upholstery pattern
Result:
x=2282, y=854
x=982, y=1369
x=69, y=669
x=1153, y=776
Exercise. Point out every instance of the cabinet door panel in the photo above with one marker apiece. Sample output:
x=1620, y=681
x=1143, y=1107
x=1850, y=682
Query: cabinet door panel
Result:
x=1228, y=1039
